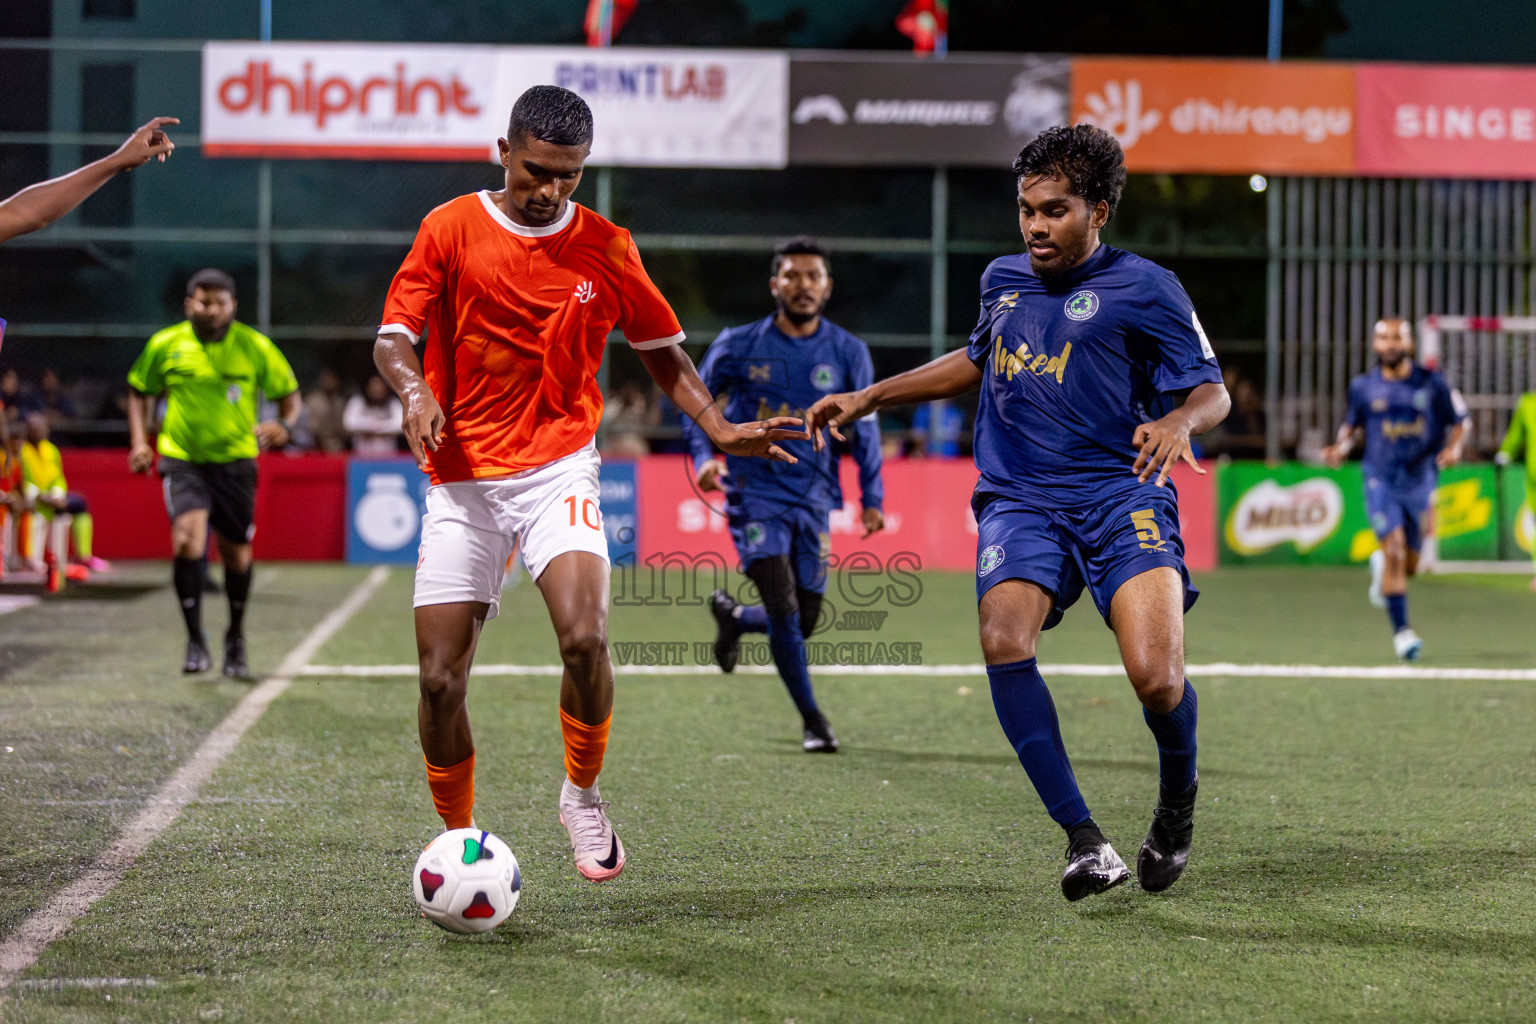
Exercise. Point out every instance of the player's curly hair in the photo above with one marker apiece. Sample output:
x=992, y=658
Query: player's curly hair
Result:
x=551, y=114
x=1088, y=157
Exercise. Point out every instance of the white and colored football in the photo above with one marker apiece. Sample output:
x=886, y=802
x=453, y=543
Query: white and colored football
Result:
x=467, y=881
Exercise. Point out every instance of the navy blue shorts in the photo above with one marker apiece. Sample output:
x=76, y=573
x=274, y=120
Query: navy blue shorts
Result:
x=798, y=534
x=1389, y=509
x=1063, y=551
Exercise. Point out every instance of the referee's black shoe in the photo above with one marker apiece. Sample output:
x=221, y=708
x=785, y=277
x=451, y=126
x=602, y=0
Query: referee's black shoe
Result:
x=234, y=656
x=1166, y=849
x=1093, y=866
x=727, y=630
x=198, y=658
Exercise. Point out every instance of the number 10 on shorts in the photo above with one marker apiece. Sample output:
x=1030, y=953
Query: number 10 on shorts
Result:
x=590, y=516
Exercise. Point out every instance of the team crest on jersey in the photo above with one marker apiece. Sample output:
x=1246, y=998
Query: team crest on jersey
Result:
x=823, y=377
x=1378, y=405
x=755, y=534
x=1082, y=306
x=1421, y=399
x=585, y=291
x=990, y=559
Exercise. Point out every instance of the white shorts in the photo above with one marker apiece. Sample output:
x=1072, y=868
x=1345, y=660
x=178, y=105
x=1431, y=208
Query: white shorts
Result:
x=471, y=527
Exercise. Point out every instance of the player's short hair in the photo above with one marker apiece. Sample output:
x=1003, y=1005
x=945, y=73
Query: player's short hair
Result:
x=1088, y=157
x=800, y=245
x=551, y=114
x=210, y=278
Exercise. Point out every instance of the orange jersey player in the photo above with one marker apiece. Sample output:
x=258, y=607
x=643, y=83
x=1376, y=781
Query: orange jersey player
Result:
x=516, y=292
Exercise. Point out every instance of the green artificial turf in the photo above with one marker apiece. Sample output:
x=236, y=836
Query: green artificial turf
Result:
x=1364, y=850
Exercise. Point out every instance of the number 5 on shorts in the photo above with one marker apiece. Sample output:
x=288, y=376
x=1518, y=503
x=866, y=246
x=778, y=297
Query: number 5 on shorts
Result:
x=589, y=513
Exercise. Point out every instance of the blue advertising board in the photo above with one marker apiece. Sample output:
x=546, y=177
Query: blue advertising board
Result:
x=386, y=499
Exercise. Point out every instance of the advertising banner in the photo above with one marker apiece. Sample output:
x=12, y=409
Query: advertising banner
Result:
x=1433, y=121
x=894, y=109
x=386, y=499
x=1297, y=514
x=664, y=108
x=1517, y=520
x=927, y=515
x=1221, y=116
x=364, y=101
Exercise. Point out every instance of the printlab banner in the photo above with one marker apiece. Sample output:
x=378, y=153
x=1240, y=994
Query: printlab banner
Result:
x=889, y=109
x=357, y=100
x=665, y=108
x=1293, y=513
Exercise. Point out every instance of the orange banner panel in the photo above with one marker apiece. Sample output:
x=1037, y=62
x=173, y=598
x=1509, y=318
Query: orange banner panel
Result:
x=1221, y=116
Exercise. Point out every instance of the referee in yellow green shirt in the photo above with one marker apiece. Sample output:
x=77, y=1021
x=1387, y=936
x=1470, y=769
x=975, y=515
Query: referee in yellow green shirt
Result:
x=210, y=367
x=1520, y=443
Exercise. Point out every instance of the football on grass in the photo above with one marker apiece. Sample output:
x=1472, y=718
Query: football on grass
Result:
x=467, y=881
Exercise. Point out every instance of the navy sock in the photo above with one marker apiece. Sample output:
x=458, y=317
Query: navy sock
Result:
x=1028, y=718
x=1397, y=611
x=1175, y=735
x=788, y=649
x=752, y=618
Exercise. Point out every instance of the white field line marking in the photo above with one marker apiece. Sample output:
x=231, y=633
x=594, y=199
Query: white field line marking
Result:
x=60, y=984
x=16, y=602
x=1220, y=668
x=55, y=917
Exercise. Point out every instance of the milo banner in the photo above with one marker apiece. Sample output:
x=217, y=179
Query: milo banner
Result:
x=1296, y=514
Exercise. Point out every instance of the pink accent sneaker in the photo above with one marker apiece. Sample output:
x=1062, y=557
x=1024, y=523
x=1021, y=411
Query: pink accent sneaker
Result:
x=599, y=854
x=98, y=564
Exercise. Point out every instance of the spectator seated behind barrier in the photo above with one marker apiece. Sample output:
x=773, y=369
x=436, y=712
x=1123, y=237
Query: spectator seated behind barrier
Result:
x=11, y=395
x=49, y=399
x=42, y=472
x=625, y=417
x=943, y=443
x=325, y=413
x=374, y=420
x=14, y=504
x=1241, y=434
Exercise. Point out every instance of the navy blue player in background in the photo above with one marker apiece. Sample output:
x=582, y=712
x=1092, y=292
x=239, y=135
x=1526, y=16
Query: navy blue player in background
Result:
x=1094, y=373
x=778, y=517
x=1413, y=425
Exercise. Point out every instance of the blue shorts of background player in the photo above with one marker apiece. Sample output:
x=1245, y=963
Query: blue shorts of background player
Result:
x=798, y=534
x=1063, y=551
x=1389, y=509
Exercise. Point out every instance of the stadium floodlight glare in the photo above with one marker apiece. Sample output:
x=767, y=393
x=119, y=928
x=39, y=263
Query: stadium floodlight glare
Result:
x=1258, y=183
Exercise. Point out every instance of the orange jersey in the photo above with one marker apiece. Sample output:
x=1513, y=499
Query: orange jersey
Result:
x=516, y=319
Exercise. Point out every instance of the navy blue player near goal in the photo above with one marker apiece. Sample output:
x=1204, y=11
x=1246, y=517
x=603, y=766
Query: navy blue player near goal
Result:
x=1413, y=423
x=779, y=516
x=1094, y=373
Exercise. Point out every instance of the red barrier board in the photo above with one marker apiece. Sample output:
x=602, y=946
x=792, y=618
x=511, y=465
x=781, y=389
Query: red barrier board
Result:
x=300, y=506
x=927, y=508
x=1437, y=121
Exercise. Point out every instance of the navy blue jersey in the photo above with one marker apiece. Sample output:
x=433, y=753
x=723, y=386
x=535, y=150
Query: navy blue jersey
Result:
x=1405, y=423
x=1071, y=366
x=764, y=372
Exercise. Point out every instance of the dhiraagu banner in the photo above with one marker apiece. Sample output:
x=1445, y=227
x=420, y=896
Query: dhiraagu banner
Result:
x=1298, y=514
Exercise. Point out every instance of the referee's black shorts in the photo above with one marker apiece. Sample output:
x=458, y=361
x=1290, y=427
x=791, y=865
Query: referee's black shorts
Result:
x=226, y=489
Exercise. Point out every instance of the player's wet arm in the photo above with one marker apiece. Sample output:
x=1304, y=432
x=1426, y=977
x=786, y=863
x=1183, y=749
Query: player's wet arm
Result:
x=949, y=375
x=422, y=420
x=672, y=370
x=1163, y=443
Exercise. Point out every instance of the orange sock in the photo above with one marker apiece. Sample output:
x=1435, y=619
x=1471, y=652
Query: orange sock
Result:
x=584, y=749
x=453, y=791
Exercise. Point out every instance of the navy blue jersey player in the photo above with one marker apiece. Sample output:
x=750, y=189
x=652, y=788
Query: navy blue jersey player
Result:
x=1094, y=373
x=1413, y=424
x=779, y=518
